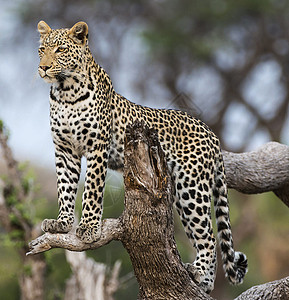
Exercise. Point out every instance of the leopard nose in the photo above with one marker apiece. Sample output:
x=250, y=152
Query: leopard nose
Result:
x=45, y=68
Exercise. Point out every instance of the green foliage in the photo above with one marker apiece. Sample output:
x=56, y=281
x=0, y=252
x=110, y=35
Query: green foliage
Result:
x=27, y=270
x=10, y=265
x=57, y=272
x=17, y=235
x=196, y=29
x=11, y=240
x=11, y=194
x=4, y=129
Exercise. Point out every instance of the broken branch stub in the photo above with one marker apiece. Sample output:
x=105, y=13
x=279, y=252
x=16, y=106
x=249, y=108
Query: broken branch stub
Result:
x=146, y=163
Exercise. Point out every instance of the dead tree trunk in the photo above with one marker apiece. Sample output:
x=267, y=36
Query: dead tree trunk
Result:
x=148, y=227
x=90, y=280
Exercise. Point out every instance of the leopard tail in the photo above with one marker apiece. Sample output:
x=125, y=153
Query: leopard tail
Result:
x=235, y=263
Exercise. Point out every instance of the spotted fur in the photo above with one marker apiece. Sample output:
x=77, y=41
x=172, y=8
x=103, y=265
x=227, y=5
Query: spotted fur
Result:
x=88, y=118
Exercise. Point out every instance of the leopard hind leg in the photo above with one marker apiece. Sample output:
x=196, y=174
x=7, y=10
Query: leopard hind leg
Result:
x=196, y=219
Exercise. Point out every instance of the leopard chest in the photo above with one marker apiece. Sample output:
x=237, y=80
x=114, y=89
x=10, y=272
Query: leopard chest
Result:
x=74, y=126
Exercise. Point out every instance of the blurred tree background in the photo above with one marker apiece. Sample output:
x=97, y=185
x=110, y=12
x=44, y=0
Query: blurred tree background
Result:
x=224, y=61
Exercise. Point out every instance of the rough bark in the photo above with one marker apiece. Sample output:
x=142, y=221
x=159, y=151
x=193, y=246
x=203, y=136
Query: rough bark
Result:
x=276, y=290
x=146, y=226
x=148, y=221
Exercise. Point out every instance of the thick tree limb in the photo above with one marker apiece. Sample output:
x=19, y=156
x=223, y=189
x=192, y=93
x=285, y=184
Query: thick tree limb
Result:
x=263, y=170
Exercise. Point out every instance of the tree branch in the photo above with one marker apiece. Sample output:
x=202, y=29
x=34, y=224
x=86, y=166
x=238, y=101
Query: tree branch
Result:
x=111, y=230
x=263, y=170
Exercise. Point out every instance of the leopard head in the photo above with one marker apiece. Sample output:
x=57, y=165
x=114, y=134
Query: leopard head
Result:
x=61, y=51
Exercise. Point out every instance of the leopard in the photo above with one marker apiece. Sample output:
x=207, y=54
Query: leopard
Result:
x=88, y=118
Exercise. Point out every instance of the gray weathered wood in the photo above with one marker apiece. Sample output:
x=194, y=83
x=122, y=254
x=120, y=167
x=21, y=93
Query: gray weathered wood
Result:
x=263, y=170
x=111, y=230
x=276, y=290
x=90, y=279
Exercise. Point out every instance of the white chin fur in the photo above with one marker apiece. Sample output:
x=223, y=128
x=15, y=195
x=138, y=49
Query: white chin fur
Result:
x=47, y=78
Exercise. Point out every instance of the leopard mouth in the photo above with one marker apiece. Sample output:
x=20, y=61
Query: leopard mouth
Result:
x=46, y=77
x=51, y=76
x=49, y=79
x=42, y=73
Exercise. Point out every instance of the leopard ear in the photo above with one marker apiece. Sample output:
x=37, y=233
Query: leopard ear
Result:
x=79, y=33
x=43, y=28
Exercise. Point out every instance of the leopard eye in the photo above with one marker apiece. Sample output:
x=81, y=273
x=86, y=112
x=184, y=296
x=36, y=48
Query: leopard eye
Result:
x=61, y=49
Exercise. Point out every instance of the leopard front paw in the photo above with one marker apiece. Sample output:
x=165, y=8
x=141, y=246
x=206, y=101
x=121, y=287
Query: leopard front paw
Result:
x=56, y=226
x=88, y=233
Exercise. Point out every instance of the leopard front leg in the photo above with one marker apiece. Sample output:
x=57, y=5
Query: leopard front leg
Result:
x=68, y=165
x=89, y=228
